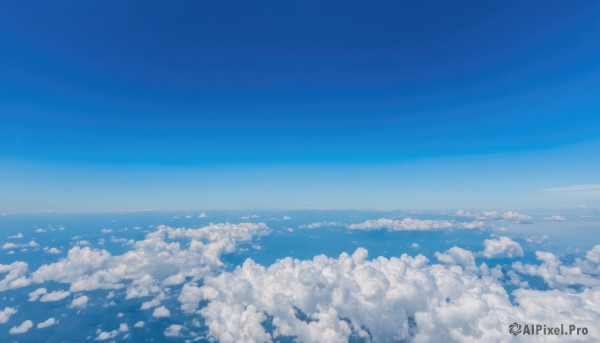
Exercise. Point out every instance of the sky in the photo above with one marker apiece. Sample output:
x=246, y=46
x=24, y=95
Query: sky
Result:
x=298, y=104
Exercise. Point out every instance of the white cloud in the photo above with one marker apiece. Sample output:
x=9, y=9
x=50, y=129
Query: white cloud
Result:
x=23, y=328
x=139, y=324
x=79, y=302
x=143, y=269
x=105, y=335
x=487, y=215
x=52, y=250
x=286, y=218
x=9, y=245
x=6, y=314
x=174, y=330
x=320, y=225
x=515, y=216
x=54, y=296
x=151, y=303
x=501, y=247
x=458, y=256
x=16, y=276
x=582, y=272
x=47, y=323
x=40, y=230
x=106, y=231
x=557, y=218
x=202, y=215
x=17, y=236
x=35, y=295
x=333, y=299
x=161, y=312
x=477, y=224
x=406, y=224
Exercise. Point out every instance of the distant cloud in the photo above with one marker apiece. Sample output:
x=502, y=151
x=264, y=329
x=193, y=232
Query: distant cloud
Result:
x=17, y=236
x=320, y=225
x=202, y=215
x=406, y=224
x=557, y=218
x=24, y=327
x=486, y=215
x=47, y=323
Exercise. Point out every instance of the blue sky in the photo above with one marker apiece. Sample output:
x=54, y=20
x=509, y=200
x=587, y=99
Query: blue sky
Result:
x=223, y=104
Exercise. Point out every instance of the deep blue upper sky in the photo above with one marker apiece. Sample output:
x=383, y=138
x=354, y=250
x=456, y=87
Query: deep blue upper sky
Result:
x=157, y=84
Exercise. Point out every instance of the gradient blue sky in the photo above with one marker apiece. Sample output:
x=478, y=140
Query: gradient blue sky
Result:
x=270, y=104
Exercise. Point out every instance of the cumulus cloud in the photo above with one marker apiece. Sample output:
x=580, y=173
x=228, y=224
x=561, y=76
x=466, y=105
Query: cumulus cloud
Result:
x=23, y=328
x=54, y=296
x=10, y=245
x=6, y=314
x=139, y=324
x=105, y=335
x=320, y=225
x=406, y=224
x=47, y=323
x=16, y=276
x=395, y=299
x=35, y=295
x=161, y=312
x=174, y=330
x=17, y=236
x=457, y=256
x=582, y=272
x=486, y=215
x=501, y=247
x=157, y=260
x=557, y=218
x=52, y=250
x=202, y=215
x=79, y=302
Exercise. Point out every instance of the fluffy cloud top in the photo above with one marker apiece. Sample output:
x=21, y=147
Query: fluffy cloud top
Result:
x=47, y=323
x=501, y=247
x=6, y=314
x=405, y=298
x=158, y=258
x=54, y=296
x=79, y=302
x=161, y=312
x=24, y=327
x=16, y=276
x=583, y=272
